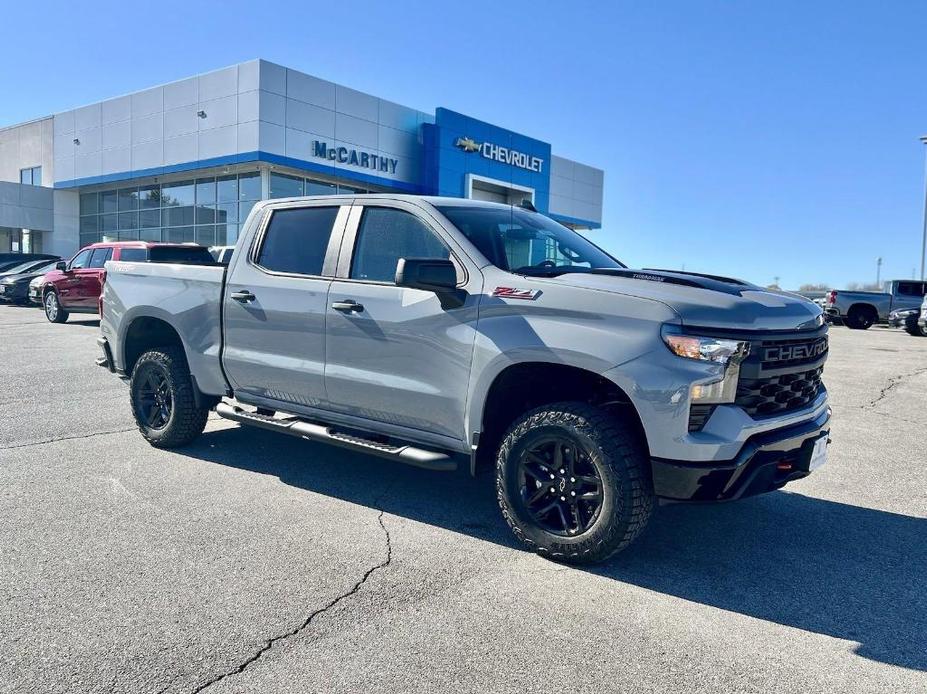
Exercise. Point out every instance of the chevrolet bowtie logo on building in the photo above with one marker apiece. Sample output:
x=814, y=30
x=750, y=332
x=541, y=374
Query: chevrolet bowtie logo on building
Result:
x=501, y=154
x=468, y=144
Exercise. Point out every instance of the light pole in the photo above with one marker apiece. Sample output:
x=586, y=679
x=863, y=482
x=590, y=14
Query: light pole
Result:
x=924, y=239
x=878, y=272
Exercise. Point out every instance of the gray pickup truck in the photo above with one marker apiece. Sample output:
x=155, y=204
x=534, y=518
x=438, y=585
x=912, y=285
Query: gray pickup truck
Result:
x=439, y=331
x=862, y=310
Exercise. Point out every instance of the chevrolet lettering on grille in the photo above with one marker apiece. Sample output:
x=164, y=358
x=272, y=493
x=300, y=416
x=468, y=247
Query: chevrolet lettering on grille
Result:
x=808, y=350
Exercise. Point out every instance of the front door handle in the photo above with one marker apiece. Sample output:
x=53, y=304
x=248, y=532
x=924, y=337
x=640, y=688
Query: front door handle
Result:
x=244, y=296
x=348, y=306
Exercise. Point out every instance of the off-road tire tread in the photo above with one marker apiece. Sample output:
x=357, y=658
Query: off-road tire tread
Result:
x=188, y=420
x=622, y=446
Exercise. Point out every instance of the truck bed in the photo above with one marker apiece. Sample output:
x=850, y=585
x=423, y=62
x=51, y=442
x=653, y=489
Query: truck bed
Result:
x=186, y=297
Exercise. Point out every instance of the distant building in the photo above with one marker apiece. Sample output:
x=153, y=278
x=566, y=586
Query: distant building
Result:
x=186, y=161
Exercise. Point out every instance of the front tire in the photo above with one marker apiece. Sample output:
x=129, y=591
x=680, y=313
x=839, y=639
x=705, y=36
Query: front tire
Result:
x=915, y=330
x=53, y=310
x=161, y=394
x=573, y=483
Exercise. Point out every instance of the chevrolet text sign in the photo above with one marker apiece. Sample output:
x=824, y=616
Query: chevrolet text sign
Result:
x=501, y=154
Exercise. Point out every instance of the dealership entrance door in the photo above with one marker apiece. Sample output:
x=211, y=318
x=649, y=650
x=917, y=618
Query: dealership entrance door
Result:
x=492, y=190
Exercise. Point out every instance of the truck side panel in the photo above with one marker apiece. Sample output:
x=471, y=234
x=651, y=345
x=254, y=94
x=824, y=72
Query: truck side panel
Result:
x=185, y=297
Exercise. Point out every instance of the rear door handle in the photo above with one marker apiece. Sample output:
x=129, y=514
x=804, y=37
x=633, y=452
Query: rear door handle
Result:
x=348, y=306
x=244, y=296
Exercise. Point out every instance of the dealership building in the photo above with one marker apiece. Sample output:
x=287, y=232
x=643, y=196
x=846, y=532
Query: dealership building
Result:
x=186, y=161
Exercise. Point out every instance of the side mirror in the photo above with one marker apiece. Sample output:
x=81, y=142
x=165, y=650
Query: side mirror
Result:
x=431, y=274
x=61, y=265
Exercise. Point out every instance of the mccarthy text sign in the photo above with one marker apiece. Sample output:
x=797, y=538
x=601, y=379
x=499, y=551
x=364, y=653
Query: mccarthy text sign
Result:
x=347, y=155
x=501, y=154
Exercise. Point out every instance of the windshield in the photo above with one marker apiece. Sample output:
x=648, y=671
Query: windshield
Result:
x=524, y=242
x=23, y=267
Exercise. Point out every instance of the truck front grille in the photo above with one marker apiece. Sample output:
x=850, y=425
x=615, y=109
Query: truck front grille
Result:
x=782, y=373
x=778, y=394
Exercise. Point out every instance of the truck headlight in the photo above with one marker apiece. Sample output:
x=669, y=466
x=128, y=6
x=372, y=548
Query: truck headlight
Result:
x=728, y=353
x=713, y=349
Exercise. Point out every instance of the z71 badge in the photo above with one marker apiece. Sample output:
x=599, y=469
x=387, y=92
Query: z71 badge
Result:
x=516, y=293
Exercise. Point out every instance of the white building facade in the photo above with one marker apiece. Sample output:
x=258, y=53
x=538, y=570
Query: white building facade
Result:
x=186, y=161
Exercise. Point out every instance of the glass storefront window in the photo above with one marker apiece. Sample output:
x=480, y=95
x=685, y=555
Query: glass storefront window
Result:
x=206, y=235
x=178, y=235
x=283, y=186
x=149, y=197
x=88, y=203
x=205, y=191
x=89, y=225
x=149, y=218
x=128, y=220
x=177, y=216
x=128, y=199
x=207, y=210
x=319, y=188
x=227, y=188
x=244, y=209
x=108, y=222
x=108, y=201
x=227, y=212
x=249, y=186
x=205, y=215
x=178, y=194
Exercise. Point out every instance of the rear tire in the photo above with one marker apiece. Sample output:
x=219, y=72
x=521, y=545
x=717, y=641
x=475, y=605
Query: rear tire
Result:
x=163, y=404
x=53, y=310
x=599, y=481
x=861, y=318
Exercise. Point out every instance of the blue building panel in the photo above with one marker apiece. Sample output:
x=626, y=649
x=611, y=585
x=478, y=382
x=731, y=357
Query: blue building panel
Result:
x=457, y=145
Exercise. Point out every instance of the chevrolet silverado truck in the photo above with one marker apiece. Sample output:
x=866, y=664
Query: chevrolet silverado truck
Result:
x=862, y=310
x=441, y=332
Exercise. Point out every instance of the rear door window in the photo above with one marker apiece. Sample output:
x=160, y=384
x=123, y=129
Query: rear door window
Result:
x=187, y=255
x=133, y=255
x=100, y=256
x=297, y=239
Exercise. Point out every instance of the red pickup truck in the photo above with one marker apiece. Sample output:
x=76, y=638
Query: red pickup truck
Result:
x=75, y=286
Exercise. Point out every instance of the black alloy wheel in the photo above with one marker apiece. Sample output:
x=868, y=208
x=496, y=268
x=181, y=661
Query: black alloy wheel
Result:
x=560, y=487
x=154, y=401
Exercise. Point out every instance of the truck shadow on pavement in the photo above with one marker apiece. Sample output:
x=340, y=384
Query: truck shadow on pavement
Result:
x=830, y=568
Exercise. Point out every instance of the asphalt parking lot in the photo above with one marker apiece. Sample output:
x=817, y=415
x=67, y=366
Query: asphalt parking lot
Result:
x=250, y=562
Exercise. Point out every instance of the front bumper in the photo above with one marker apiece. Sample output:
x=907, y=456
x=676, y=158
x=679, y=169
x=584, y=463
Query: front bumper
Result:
x=12, y=292
x=35, y=295
x=767, y=461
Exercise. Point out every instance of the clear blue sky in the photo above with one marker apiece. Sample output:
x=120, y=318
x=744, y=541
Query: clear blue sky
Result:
x=753, y=139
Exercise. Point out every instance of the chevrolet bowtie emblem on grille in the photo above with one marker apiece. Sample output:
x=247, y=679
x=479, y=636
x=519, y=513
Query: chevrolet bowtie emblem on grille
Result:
x=468, y=144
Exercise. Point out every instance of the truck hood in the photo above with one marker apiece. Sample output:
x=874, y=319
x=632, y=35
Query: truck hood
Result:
x=706, y=301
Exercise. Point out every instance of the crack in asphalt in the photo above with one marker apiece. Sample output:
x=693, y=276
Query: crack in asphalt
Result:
x=269, y=643
x=892, y=383
x=66, y=438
